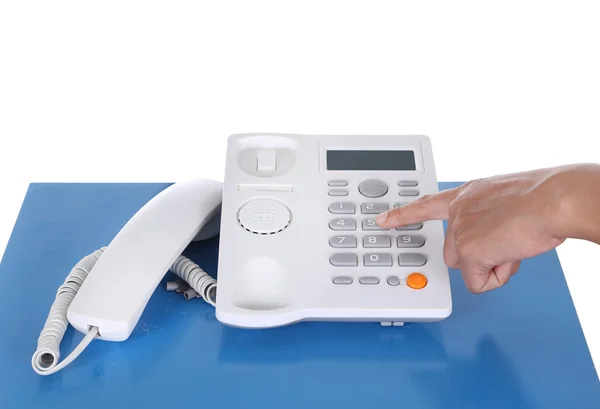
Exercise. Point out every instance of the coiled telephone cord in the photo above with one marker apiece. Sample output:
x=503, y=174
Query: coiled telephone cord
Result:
x=45, y=360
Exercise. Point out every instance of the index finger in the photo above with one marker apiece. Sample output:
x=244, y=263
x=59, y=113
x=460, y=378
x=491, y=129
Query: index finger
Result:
x=430, y=207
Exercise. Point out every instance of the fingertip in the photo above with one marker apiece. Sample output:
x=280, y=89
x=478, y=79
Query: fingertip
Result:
x=381, y=218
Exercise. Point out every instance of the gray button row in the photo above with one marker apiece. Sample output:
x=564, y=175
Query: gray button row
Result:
x=378, y=260
x=349, y=208
x=377, y=241
x=345, y=280
x=373, y=188
x=349, y=224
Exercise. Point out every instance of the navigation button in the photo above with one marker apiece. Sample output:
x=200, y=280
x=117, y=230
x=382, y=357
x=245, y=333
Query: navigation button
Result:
x=373, y=188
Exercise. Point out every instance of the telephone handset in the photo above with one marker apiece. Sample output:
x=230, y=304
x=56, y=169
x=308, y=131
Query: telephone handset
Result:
x=298, y=241
x=105, y=294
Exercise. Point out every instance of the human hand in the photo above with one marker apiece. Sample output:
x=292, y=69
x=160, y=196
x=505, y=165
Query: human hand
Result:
x=495, y=223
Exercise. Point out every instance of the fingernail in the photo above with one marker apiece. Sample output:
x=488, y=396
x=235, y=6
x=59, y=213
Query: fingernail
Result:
x=381, y=217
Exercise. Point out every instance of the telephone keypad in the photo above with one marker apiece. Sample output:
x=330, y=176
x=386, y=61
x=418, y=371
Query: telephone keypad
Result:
x=372, y=188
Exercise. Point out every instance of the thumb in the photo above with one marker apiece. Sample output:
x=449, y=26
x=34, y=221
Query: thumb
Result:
x=429, y=207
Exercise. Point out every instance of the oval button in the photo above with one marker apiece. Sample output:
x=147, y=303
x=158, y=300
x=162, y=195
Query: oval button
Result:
x=368, y=280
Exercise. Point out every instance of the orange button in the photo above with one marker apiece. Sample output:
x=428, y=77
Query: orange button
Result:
x=416, y=281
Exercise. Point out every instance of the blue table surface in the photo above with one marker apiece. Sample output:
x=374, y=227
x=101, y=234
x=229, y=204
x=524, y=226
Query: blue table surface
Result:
x=518, y=347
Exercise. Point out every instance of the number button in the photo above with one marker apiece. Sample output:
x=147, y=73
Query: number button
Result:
x=371, y=224
x=410, y=241
x=373, y=208
x=416, y=226
x=342, y=224
x=377, y=241
x=377, y=260
x=343, y=241
x=342, y=208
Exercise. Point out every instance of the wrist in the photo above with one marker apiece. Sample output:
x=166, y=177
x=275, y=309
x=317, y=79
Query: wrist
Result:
x=576, y=196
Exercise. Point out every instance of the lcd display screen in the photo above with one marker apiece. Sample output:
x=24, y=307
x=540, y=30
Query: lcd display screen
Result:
x=371, y=160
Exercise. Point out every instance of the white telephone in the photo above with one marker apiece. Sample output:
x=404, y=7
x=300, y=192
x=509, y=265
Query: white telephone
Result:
x=298, y=241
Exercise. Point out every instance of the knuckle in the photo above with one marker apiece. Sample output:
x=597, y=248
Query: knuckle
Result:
x=454, y=205
x=465, y=245
x=475, y=289
x=450, y=260
x=425, y=198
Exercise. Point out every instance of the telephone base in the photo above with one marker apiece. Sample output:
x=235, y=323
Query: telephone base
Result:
x=312, y=251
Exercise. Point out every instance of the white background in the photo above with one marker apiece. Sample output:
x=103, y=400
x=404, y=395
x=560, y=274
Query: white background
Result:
x=149, y=91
